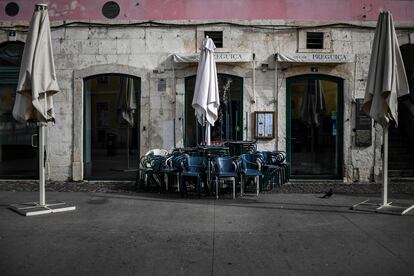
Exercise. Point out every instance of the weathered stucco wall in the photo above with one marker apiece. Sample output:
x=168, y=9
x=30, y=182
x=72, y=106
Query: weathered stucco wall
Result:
x=145, y=52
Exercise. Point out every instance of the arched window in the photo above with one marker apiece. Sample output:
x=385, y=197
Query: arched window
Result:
x=10, y=59
x=11, y=53
x=229, y=125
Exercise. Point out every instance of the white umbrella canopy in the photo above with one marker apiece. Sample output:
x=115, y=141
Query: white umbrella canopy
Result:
x=37, y=78
x=206, y=100
x=386, y=82
x=34, y=103
x=386, y=76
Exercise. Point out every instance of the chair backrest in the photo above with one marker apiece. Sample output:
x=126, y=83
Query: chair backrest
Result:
x=195, y=164
x=175, y=160
x=162, y=152
x=280, y=157
x=154, y=162
x=224, y=164
x=250, y=161
x=157, y=162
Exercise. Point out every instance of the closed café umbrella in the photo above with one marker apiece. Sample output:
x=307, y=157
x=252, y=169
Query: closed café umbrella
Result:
x=386, y=82
x=206, y=99
x=34, y=100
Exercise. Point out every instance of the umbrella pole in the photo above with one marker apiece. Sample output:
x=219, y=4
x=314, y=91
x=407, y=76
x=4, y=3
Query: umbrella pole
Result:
x=42, y=200
x=385, y=168
x=208, y=137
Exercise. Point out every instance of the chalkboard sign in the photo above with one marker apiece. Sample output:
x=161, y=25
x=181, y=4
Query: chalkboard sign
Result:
x=363, y=126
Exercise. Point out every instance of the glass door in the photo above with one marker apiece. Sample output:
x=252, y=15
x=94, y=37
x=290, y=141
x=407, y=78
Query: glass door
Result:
x=314, y=126
x=18, y=158
x=111, y=121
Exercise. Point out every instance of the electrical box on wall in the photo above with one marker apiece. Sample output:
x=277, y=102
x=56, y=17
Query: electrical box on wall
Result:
x=363, y=126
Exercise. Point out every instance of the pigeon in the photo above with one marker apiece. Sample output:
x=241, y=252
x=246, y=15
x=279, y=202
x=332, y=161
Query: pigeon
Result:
x=328, y=194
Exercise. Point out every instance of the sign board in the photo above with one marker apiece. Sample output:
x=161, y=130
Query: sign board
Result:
x=219, y=57
x=363, y=126
x=315, y=58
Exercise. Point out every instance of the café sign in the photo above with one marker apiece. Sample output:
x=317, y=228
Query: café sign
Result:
x=219, y=57
x=315, y=58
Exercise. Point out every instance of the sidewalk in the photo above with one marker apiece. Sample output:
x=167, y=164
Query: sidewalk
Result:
x=150, y=234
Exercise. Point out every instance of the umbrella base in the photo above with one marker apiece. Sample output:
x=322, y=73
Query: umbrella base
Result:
x=377, y=206
x=34, y=208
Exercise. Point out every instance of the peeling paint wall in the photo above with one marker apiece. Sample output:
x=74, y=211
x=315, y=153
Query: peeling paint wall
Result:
x=321, y=10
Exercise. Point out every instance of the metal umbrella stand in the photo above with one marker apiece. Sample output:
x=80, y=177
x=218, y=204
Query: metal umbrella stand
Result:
x=386, y=82
x=34, y=102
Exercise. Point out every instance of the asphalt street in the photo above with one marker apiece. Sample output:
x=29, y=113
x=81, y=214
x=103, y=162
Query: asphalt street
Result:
x=152, y=234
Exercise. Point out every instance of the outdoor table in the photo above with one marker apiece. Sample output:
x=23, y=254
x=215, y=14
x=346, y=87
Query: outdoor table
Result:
x=237, y=148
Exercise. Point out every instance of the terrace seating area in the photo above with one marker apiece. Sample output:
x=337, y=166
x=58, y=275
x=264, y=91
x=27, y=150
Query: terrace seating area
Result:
x=234, y=168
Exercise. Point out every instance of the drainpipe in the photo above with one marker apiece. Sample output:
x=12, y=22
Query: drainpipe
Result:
x=276, y=102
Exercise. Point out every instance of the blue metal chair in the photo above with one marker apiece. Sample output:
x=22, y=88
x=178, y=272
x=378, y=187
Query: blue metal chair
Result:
x=172, y=169
x=224, y=168
x=250, y=166
x=194, y=168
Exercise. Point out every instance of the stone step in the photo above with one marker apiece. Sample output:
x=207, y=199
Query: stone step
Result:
x=401, y=180
x=402, y=159
x=400, y=165
x=400, y=173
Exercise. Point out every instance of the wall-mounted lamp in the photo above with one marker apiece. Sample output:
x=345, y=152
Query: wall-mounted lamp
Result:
x=265, y=66
x=314, y=69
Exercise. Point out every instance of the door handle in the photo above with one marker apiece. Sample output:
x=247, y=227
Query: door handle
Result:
x=33, y=144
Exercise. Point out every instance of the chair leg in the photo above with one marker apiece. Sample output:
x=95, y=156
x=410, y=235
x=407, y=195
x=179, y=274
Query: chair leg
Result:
x=199, y=187
x=217, y=187
x=242, y=185
x=234, y=188
x=257, y=185
x=181, y=185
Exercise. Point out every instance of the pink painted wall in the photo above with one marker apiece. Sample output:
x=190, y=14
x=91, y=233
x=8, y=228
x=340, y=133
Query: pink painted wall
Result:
x=321, y=10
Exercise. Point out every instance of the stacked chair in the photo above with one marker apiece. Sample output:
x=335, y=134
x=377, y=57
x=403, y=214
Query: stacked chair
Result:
x=150, y=173
x=195, y=170
x=224, y=168
x=274, y=168
x=172, y=169
x=250, y=167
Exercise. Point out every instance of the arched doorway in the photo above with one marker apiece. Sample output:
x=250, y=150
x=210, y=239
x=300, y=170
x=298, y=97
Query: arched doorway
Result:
x=229, y=125
x=111, y=126
x=18, y=158
x=400, y=143
x=314, y=121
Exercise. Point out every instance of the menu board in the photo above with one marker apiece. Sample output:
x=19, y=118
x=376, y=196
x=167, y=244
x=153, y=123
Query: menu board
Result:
x=264, y=124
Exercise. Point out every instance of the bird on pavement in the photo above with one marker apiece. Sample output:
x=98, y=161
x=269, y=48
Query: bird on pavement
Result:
x=328, y=194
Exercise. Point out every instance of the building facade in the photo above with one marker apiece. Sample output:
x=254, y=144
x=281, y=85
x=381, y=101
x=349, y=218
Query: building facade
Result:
x=291, y=76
